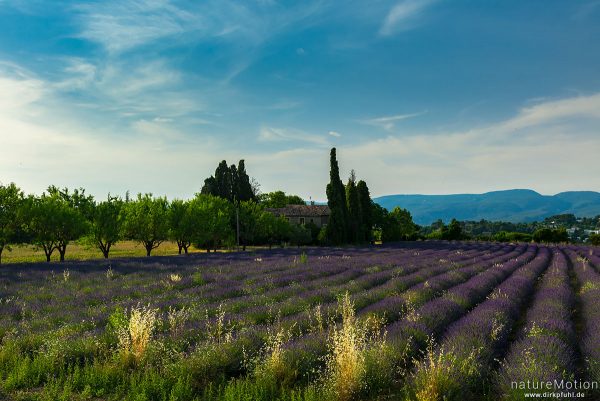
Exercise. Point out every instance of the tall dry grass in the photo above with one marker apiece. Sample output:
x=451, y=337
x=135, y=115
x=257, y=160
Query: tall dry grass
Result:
x=136, y=336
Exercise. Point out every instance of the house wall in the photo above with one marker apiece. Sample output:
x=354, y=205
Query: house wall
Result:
x=318, y=220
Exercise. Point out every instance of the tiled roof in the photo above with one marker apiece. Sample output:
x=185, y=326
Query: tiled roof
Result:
x=301, y=210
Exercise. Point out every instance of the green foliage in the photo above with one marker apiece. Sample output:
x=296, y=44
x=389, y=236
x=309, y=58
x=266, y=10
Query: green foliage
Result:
x=451, y=232
x=211, y=216
x=549, y=235
x=322, y=236
x=230, y=182
x=116, y=321
x=454, y=231
x=366, y=219
x=198, y=279
x=146, y=220
x=501, y=230
x=249, y=217
x=354, y=223
x=78, y=200
x=242, y=186
x=336, y=229
x=504, y=236
x=52, y=221
x=299, y=235
x=181, y=224
x=563, y=220
x=273, y=229
x=106, y=224
x=398, y=226
x=595, y=239
x=11, y=200
x=279, y=199
x=378, y=219
x=314, y=232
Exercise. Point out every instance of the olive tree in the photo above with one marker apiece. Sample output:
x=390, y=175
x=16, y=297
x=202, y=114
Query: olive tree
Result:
x=181, y=224
x=249, y=216
x=53, y=223
x=11, y=199
x=273, y=229
x=106, y=228
x=211, y=216
x=146, y=220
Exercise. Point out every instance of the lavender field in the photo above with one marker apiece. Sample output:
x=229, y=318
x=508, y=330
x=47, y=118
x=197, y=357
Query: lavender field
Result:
x=416, y=321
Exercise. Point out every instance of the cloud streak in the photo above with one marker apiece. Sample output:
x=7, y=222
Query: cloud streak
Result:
x=121, y=25
x=388, y=123
x=535, y=148
x=403, y=16
x=557, y=110
x=271, y=134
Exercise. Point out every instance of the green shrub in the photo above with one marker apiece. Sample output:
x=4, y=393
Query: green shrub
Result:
x=197, y=279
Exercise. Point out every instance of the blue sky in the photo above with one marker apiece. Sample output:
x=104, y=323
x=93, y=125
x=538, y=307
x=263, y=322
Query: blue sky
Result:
x=419, y=96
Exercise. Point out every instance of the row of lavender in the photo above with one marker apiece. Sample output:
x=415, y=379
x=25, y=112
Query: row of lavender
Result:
x=305, y=352
x=588, y=280
x=546, y=349
x=415, y=314
x=546, y=355
x=459, y=367
x=371, y=298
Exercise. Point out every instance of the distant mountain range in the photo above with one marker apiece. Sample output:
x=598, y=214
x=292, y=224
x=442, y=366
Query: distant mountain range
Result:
x=515, y=205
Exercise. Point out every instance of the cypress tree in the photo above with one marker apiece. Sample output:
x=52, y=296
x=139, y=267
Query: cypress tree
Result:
x=336, y=230
x=229, y=182
x=223, y=181
x=244, y=188
x=366, y=216
x=210, y=186
x=354, y=225
x=233, y=184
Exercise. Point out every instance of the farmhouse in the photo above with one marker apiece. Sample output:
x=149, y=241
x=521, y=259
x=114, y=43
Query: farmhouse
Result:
x=303, y=214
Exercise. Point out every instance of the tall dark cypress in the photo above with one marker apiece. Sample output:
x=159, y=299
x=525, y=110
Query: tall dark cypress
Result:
x=354, y=219
x=223, y=181
x=210, y=186
x=336, y=230
x=229, y=182
x=244, y=188
x=366, y=217
x=233, y=190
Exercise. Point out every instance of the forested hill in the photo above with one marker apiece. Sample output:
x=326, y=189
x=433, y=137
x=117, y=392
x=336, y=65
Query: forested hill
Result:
x=515, y=205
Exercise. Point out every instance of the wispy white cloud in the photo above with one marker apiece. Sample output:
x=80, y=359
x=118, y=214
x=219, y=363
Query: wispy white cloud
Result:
x=128, y=88
x=42, y=142
x=335, y=134
x=389, y=122
x=142, y=78
x=271, y=134
x=553, y=111
x=78, y=74
x=241, y=28
x=534, y=149
x=121, y=25
x=403, y=16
